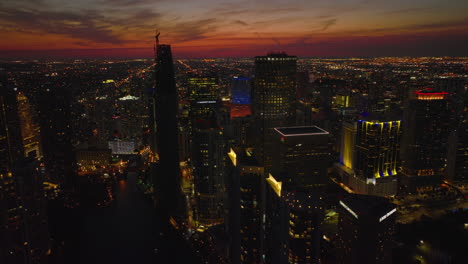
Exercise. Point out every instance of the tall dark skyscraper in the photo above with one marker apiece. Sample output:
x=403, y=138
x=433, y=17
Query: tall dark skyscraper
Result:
x=207, y=148
x=457, y=167
x=208, y=156
x=56, y=133
x=427, y=122
x=11, y=145
x=24, y=236
x=274, y=97
x=294, y=194
x=246, y=207
x=293, y=217
x=23, y=224
x=301, y=155
x=365, y=229
x=165, y=98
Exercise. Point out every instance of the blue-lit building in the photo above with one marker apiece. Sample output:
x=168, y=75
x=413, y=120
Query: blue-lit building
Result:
x=241, y=90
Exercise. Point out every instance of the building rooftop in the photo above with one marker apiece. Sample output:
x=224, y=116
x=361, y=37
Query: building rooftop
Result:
x=276, y=55
x=300, y=131
x=243, y=157
x=377, y=206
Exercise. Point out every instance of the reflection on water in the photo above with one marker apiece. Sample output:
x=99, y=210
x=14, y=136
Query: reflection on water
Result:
x=125, y=232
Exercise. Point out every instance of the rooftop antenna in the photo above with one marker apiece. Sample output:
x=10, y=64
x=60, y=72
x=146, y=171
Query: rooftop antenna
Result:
x=156, y=46
x=157, y=37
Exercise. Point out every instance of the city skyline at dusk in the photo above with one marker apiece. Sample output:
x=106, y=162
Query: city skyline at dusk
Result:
x=208, y=28
x=233, y=131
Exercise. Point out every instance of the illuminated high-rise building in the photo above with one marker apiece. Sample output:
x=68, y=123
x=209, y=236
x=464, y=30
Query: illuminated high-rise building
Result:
x=348, y=141
x=208, y=156
x=274, y=97
x=369, y=155
x=293, y=217
x=373, y=155
x=207, y=149
x=203, y=96
x=30, y=131
x=165, y=116
x=366, y=226
x=295, y=191
x=427, y=122
x=241, y=90
x=23, y=224
x=241, y=97
x=246, y=206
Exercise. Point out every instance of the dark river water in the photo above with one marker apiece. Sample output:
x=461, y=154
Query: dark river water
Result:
x=128, y=231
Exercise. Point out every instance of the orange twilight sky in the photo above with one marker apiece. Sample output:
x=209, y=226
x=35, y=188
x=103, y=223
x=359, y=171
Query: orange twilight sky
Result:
x=214, y=28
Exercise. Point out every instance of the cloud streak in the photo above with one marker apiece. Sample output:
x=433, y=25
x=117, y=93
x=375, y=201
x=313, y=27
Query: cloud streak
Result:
x=88, y=26
x=186, y=24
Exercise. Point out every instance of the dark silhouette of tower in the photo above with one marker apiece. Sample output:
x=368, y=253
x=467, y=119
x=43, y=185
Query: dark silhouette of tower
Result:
x=366, y=227
x=56, y=132
x=23, y=225
x=165, y=98
x=427, y=122
x=11, y=147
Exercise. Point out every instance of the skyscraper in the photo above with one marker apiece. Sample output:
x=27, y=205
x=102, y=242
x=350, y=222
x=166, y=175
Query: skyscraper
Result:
x=207, y=149
x=203, y=96
x=241, y=97
x=427, y=122
x=348, y=141
x=294, y=203
x=241, y=90
x=246, y=207
x=23, y=224
x=30, y=131
x=56, y=133
x=372, y=151
x=208, y=157
x=11, y=145
x=203, y=88
x=457, y=162
x=24, y=237
x=365, y=229
x=165, y=115
x=274, y=97
x=293, y=216
x=301, y=155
